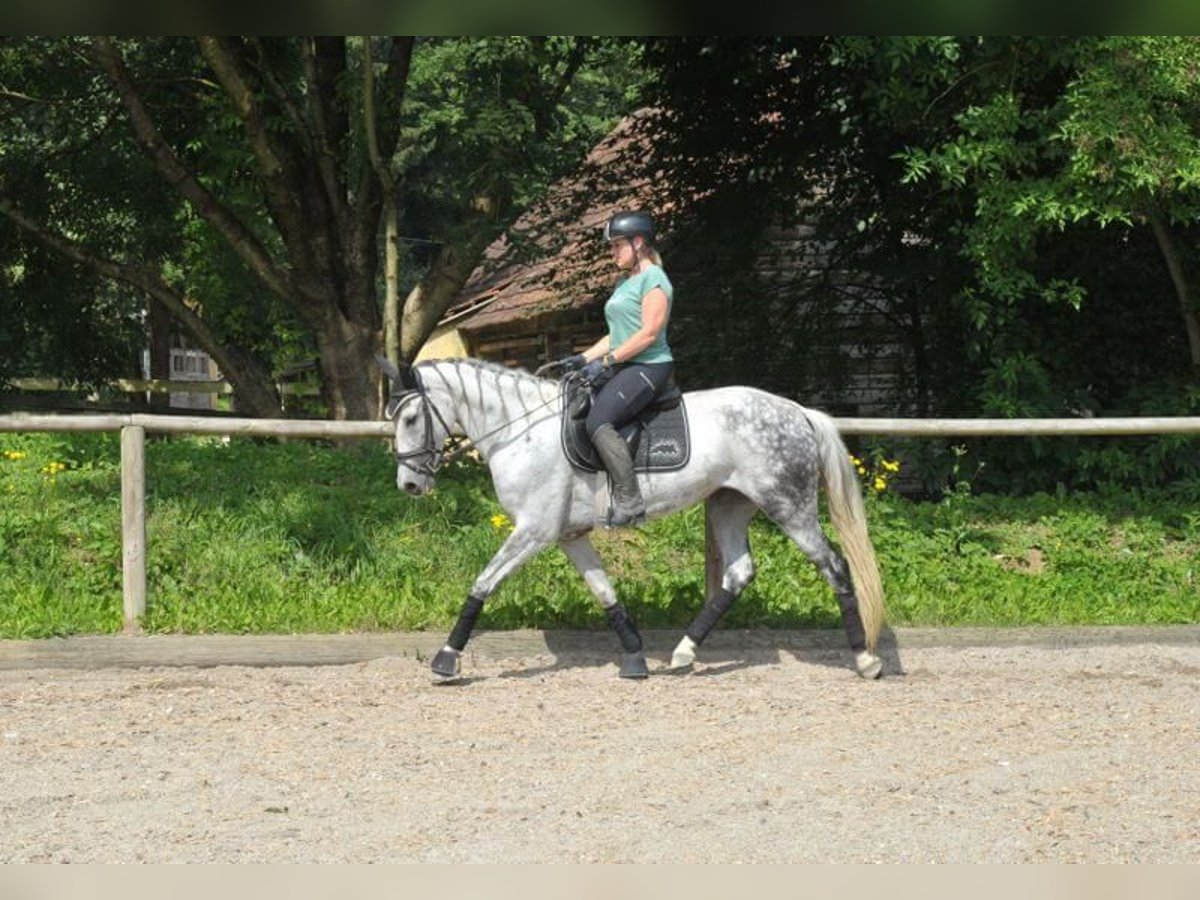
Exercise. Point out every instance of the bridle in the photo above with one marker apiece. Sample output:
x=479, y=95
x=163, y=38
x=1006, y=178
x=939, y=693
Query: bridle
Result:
x=430, y=458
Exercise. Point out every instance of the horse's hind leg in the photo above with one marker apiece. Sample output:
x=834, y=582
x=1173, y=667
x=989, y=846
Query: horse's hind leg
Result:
x=581, y=552
x=806, y=532
x=729, y=567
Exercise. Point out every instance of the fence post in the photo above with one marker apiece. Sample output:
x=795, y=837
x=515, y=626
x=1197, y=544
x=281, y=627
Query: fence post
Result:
x=133, y=524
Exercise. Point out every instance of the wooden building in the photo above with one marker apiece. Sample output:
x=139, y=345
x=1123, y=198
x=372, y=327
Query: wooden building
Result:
x=815, y=334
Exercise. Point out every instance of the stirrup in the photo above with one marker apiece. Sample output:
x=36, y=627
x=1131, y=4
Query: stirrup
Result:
x=621, y=519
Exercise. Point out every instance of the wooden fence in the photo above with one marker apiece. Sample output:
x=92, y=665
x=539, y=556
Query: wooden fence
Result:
x=133, y=428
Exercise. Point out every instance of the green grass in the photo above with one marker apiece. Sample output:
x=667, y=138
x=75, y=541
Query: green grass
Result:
x=299, y=537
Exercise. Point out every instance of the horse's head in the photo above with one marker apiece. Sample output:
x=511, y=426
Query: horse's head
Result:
x=420, y=429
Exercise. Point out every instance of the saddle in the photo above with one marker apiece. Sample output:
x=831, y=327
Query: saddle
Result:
x=658, y=436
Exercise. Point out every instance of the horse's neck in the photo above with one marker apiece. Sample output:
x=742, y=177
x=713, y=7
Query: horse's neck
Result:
x=483, y=399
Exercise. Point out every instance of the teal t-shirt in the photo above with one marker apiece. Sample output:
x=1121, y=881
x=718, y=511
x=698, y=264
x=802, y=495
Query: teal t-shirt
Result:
x=623, y=313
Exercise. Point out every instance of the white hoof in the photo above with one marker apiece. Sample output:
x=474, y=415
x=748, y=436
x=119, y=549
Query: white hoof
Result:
x=869, y=665
x=685, y=654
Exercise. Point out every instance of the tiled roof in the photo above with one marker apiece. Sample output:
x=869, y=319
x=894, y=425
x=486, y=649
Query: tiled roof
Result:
x=554, y=258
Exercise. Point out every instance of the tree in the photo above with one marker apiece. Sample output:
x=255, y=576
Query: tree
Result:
x=952, y=170
x=274, y=169
x=996, y=198
x=1117, y=145
x=776, y=129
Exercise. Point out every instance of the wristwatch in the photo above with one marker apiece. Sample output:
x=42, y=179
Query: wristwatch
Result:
x=608, y=360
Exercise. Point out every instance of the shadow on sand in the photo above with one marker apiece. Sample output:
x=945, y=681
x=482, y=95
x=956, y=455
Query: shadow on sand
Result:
x=725, y=651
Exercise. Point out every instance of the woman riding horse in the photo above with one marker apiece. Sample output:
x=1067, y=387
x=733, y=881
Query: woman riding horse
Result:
x=632, y=363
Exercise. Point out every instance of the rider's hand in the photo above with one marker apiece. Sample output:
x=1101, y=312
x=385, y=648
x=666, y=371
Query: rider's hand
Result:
x=592, y=370
x=574, y=363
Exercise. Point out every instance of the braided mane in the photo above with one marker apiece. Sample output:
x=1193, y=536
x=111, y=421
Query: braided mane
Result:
x=522, y=380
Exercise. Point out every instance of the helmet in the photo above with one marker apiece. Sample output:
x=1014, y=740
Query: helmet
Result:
x=629, y=224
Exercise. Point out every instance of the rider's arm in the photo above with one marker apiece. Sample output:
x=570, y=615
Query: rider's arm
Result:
x=655, y=307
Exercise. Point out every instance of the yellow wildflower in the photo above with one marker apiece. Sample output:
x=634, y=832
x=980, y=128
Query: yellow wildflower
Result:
x=891, y=465
x=15, y=454
x=500, y=522
x=880, y=483
x=51, y=470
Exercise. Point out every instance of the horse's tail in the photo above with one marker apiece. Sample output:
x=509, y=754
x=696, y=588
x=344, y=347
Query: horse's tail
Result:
x=850, y=519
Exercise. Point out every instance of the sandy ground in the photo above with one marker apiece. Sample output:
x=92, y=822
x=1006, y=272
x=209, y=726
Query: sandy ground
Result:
x=1003, y=754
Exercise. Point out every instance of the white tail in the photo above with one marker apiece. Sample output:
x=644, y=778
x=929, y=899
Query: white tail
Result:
x=850, y=520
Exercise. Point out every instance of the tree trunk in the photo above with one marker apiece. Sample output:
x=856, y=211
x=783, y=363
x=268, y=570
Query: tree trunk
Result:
x=391, y=303
x=387, y=182
x=1187, y=307
x=348, y=381
x=254, y=392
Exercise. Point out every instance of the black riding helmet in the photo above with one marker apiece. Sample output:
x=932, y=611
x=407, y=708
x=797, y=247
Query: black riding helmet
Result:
x=629, y=224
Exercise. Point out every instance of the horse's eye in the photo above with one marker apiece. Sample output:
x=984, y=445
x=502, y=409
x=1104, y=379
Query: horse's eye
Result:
x=409, y=419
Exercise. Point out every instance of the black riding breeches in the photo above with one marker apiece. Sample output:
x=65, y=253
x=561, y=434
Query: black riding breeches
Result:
x=627, y=392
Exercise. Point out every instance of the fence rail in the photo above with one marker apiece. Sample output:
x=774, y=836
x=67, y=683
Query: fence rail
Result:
x=134, y=426
x=155, y=386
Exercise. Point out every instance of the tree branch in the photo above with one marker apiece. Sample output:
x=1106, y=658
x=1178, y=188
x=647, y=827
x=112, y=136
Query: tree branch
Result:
x=370, y=120
x=578, y=54
x=240, y=238
x=280, y=182
x=391, y=304
x=430, y=299
x=248, y=376
x=282, y=96
x=331, y=184
x=324, y=63
x=395, y=83
x=1191, y=321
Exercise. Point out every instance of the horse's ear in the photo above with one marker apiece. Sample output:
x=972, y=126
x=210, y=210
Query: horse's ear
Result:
x=387, y=367
x=402, y=378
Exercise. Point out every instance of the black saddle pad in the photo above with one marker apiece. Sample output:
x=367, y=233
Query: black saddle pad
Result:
x=658, y=437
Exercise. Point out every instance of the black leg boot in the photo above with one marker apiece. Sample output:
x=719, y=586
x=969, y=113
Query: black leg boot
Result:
x=628, y=508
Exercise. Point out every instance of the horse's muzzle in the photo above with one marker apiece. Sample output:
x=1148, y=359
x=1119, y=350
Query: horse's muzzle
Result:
x=413, y=483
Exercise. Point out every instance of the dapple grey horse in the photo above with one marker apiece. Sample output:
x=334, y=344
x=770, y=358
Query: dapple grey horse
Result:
x=751, y=450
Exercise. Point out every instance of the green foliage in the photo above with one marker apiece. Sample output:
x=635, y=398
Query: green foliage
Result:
x=993, y=198
x=486, y=124
x=74, y=170
x=260, y=537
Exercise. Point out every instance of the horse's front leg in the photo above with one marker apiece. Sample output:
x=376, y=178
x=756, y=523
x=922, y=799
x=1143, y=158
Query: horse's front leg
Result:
x=581, y=552
x=513, y=553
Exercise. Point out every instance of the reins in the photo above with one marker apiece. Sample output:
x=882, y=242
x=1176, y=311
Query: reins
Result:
x=455, y=445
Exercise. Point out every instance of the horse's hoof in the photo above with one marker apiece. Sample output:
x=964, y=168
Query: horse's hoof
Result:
x=634, y=666
x=868, y=665
x=675, y=669
x=684, y=656
x=447, y=663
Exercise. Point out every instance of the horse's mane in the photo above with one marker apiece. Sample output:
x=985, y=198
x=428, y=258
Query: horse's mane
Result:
x=488, y=366
x=522, y=378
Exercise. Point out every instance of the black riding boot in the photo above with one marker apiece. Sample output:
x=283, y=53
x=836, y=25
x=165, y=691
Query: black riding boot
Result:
x=628, y=508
